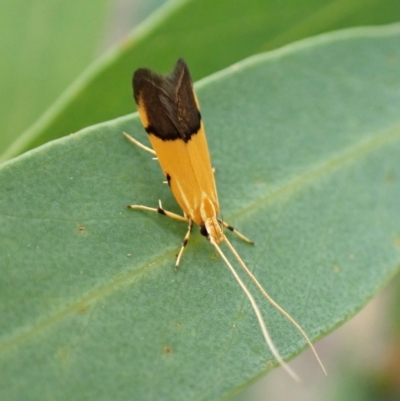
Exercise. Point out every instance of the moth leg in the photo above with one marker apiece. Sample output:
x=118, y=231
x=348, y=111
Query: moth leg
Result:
x=137, y=143
x=159, y=210
x=172, y=215
x=239, y=234
x=184, y=243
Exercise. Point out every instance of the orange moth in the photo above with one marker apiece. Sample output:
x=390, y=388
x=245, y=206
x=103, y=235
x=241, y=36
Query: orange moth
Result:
x=170, y=114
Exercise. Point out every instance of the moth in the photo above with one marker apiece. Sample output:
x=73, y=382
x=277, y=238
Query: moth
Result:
x=170, y=114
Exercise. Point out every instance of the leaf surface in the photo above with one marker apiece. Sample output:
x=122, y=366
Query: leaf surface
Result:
x=306, y=144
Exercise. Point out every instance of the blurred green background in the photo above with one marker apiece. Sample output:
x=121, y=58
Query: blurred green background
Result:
x=67, y=65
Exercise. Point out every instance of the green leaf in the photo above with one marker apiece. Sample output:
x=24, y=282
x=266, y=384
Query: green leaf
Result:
x=210, y=35
x=306, y=143
x=44, y=45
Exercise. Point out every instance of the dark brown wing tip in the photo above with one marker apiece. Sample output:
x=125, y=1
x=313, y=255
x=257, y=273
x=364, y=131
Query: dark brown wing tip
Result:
x=181, y=65
x=180, y=69
x=138, y=79
x=144, y=74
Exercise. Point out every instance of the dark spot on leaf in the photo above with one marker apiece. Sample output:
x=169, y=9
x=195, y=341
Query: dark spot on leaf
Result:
x=167, y=350
x=82, y=309
x=81, y=229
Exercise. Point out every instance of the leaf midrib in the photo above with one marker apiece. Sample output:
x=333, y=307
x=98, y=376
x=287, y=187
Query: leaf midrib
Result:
x=334, y=163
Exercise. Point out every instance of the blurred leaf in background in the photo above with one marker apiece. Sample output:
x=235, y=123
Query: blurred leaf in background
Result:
x=46, y=44
x=209, y=34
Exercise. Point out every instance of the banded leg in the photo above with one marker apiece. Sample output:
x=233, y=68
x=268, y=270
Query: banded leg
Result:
x=172, y=215
x=159, y=210
x=238, y=233
x=184, y=243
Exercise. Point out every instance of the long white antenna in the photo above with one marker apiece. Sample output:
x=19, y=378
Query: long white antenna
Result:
x=257, y=312
x=274, y=304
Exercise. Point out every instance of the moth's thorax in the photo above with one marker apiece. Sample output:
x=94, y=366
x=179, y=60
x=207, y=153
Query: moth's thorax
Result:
x=209, y=216
x=214, y=230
